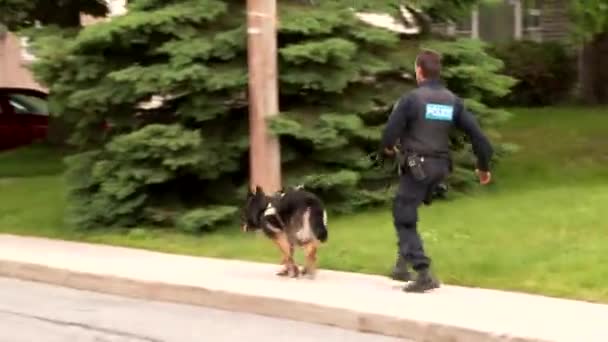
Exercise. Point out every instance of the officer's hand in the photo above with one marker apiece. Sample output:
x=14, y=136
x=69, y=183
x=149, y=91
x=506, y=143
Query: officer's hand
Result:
x=376, y=159
x=484, y=176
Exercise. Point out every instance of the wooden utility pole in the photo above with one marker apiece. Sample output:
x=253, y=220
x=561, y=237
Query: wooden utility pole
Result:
x=265, y=159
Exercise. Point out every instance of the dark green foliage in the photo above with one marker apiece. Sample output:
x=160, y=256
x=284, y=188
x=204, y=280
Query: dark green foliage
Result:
x=159, y=160
x=590, y=18
x=336, y=91
x=135, y=176
x=546, y=72
x=184, y=161
x=590, y=27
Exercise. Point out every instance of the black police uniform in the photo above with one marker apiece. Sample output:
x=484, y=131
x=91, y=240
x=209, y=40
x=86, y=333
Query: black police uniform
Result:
x=421, y=122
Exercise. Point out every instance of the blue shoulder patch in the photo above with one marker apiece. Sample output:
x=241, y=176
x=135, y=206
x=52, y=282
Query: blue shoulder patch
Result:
x=439, y=112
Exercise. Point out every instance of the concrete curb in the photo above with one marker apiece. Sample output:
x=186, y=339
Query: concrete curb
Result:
x=263, y=305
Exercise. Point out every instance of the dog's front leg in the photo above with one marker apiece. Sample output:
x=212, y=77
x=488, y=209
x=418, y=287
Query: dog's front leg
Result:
x=290, y=268
x=284, y=258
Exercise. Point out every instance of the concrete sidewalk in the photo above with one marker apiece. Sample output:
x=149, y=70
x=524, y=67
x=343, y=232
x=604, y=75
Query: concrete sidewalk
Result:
x=352, y=301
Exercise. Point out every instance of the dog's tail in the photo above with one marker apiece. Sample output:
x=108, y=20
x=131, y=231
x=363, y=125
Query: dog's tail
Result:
x=318, y=222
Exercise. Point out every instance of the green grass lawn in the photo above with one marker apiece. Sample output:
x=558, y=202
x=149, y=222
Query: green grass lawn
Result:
x=540, y=228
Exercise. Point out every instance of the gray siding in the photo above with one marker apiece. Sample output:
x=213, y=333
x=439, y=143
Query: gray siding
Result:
x=555, y=21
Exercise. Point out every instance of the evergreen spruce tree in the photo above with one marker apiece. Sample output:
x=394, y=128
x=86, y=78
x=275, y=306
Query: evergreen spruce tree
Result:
x=183, y=160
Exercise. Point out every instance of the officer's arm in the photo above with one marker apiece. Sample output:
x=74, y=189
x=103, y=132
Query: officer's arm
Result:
x=397, y=122
x=481, y=145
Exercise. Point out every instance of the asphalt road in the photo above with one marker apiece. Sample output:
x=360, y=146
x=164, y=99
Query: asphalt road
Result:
x=33, y=312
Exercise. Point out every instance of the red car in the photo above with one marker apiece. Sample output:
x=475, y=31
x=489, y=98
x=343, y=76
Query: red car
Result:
x=24, y=117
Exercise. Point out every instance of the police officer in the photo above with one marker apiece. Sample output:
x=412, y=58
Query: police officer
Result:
x=418, y=129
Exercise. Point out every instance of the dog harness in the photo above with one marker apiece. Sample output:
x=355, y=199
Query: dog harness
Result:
x=271, y=210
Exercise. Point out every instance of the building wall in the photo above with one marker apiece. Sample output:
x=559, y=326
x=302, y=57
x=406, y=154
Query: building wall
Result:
x=496, y=22
x=539, y=20
x=555, y=20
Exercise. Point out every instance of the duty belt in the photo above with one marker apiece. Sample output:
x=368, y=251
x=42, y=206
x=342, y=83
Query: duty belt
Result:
x=437, y=155
x=401, y=157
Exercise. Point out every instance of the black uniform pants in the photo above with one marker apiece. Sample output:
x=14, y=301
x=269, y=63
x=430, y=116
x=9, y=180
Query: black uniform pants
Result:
x=410, y=195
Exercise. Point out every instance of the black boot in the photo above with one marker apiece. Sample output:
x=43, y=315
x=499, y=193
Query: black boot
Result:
x=424, y=282
x=400, y=271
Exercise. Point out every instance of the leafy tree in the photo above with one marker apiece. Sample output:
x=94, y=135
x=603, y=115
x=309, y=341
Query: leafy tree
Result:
x=183, y=160
x=590, y=18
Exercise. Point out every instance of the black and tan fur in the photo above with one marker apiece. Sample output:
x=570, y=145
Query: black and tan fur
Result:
x=291, y=218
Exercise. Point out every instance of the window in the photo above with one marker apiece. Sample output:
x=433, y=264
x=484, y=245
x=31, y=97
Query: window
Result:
x=464, y=26
x=532, y=19
x=27, y=104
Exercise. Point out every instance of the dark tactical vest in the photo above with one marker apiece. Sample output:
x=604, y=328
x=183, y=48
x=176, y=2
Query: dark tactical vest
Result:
x=428, y=132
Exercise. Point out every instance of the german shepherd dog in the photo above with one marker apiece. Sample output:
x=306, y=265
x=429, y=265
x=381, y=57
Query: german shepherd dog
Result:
x=289, y=218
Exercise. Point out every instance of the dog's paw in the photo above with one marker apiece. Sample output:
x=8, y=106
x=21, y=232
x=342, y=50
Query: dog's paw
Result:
x=309, y=273
x=283, y=273
x=294, y=272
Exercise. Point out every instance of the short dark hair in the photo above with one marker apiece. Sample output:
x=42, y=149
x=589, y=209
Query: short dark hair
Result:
x=430, y=64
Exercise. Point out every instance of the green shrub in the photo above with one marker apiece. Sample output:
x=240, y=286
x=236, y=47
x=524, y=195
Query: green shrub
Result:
x=148, y=175
x=546, y=72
